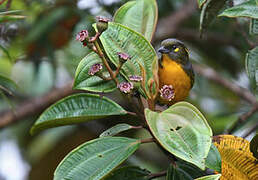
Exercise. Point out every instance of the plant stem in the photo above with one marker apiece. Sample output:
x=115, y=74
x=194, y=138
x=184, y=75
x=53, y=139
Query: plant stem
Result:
x=156, y=175
x=131, y=113
x=101, y=55
x=254, y=128
x=118, y=69
x=148, y=140
x=243, y=118
x=93, y=39
x=151, y=104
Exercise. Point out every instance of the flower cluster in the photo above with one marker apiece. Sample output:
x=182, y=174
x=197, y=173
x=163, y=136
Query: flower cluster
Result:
x=125, y=87
x=102, y=24
x=135, y=78
x=83, y=36
x=94, y=69
x=167, y=92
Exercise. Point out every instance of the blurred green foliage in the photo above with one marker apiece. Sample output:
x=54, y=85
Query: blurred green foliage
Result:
x=39, y=52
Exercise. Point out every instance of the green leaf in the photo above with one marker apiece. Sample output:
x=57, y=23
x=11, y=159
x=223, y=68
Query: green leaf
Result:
x=119, y=38
x=254, y=146
x=84, y=81
x=8, y=85
x=116, y=129
x=76, y=109
x=183, y=131
x=210, y=177
x=140, y=15
x=95, y=159
x=213, y=160
x=201, y=2
x=191, y=169
x=128, y=173
x=252, y=67
x=246, y=9
x=209, y=12
x=175, y=173
x=253, y=27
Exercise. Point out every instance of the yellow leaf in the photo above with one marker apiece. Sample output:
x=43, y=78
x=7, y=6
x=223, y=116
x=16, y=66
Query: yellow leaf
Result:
x=238, y=162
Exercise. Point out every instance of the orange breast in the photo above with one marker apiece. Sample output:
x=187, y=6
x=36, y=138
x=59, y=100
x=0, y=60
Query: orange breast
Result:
x=173, y=74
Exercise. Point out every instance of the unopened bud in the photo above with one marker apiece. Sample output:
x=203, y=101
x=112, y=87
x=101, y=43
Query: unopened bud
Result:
x=123, y=57
x=102, y=24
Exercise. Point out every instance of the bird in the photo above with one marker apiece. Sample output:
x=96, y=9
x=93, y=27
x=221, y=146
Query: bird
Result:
x=175, y=72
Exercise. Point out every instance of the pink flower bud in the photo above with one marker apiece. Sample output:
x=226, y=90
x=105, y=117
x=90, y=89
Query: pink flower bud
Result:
x=81, y=36
x=167, y=92
x=123, y=56
x=94, y=69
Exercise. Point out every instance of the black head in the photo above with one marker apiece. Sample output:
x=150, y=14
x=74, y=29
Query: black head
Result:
x=175, y=49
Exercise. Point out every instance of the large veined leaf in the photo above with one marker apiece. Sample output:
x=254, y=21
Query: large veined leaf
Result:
x=84, y=81
x=210, y=10
x=237, y=160
x=254, y=26
x=252, y=67
x=119, y=38
x=210, y=177
x=213, y=160
x=95, y=159
x=246, y=9
x=183, y=131
x=7, y=85
x=75, y=109
x=140, y=15
x=128, y=173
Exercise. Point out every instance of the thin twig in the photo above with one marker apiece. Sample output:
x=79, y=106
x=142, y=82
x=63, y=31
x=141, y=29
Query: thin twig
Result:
x=211, y=74
x=34, y=106
x=251, y=131
x=170, y=24
x=131, y=113
x=118, y=69
x=102, y=56
x=156, y=175
x=148, y=140
x=242, y=119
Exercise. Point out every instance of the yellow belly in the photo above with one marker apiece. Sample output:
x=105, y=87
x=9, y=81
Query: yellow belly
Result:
x=173, y=74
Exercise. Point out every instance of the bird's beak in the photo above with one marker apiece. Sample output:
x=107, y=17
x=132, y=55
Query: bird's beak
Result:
x=163, y=50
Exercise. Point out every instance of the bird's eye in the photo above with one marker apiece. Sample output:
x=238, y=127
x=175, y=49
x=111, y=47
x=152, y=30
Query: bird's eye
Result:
x=174, y=47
